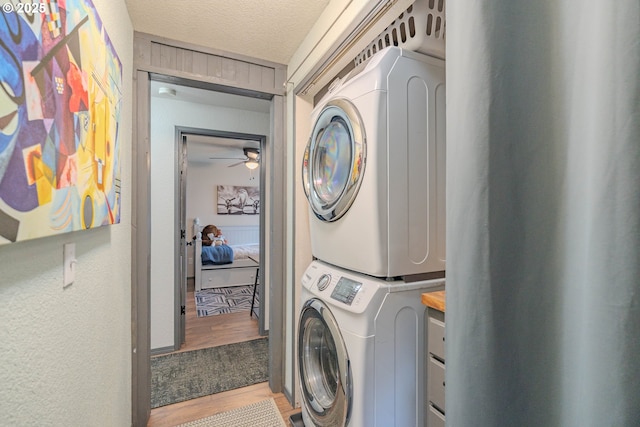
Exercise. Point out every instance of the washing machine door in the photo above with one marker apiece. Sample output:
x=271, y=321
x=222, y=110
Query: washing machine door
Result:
x=334, y=160
x=325, y=370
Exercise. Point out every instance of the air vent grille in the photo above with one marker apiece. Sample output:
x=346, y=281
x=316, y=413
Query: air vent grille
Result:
x=421, y=28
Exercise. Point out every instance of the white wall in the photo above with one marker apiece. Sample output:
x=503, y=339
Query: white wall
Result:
x=166, y=114
x=66, y=353
x=298, y=245
x=202, y=181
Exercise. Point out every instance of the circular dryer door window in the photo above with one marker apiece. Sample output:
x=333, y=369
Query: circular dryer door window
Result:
x=334, y=160
x=325, y=373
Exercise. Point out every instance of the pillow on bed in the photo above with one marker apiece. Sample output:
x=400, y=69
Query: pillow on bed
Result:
x=246, y=251
x=217, y=255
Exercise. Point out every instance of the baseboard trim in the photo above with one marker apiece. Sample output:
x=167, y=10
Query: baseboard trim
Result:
x=162, y=350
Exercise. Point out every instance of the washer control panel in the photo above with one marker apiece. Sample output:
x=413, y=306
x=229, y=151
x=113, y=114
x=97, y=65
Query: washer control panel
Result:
x=349, y=291
x=346, y=290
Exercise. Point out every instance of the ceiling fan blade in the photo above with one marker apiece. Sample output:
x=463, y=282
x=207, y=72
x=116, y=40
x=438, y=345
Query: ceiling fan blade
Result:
x=226, y=158
x=236, y=164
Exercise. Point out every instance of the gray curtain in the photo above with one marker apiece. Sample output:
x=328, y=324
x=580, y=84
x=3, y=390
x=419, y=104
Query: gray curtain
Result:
x=543, y=213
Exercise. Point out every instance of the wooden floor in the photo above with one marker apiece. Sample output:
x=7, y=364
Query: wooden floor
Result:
x=211, y=331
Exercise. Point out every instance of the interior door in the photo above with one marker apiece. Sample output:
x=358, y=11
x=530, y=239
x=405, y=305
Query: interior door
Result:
x=183, y=240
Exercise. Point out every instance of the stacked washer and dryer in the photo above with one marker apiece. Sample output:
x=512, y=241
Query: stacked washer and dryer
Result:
x=374, y=176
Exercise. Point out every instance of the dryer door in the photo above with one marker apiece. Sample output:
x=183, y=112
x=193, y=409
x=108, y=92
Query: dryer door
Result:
x=334, y=160
x=325, y=372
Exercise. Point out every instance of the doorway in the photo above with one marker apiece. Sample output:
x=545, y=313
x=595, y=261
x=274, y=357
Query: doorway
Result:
x=179, y=113
x=267, y=143
x=178, y=139
x=221, y=185
x=162, y=59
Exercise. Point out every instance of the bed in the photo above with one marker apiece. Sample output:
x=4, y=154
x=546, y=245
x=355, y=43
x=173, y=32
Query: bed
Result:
x=226, y=265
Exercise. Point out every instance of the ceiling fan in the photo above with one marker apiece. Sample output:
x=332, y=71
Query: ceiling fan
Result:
x=251, y=158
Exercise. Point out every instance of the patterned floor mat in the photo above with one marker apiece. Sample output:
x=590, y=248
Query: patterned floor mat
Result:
x=210, y=302
x=260, y=414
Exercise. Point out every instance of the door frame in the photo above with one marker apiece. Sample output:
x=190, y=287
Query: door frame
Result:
x=199, y=67
x=180, y=268
x=182, y=134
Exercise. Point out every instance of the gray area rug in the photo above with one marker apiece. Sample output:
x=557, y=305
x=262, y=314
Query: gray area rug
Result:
x=183, y=376
x=260, y=414
x=210, y=302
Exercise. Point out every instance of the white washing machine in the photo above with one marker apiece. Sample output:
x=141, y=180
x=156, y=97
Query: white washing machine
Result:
x=361, y=349
x=374, y=168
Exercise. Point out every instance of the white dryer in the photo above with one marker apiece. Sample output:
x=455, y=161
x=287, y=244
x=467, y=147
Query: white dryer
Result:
x=374, y=168
x=361, y=349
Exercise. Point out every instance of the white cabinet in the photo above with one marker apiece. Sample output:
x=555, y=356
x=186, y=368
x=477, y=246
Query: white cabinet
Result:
x=435, y=368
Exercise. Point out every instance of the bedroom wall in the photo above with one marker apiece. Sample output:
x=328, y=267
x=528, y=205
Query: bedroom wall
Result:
x=66, y=352
x=166, y=114
x=202, y=181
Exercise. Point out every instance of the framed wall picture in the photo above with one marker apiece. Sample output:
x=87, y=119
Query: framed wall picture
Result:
x=60, y=102
x=238, y=200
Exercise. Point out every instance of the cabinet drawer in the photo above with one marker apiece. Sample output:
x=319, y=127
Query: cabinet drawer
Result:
x=435, y=378
x=434, y=418
x=435, y=333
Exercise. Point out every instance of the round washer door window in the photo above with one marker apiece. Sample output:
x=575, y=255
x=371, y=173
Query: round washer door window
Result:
x=325, y=373
x=334, y=160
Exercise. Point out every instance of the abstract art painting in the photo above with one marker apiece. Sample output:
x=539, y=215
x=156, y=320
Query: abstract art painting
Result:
x=60, y=106
x=238, y=200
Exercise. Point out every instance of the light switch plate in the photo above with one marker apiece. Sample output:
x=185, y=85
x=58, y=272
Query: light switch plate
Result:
x=69, y=263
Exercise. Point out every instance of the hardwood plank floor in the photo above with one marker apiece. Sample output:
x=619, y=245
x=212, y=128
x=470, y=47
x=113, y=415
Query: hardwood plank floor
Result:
x=191, y=410
x=211, y=331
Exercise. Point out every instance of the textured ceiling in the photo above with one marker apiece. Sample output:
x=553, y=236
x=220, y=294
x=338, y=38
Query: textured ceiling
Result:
x=268, y=29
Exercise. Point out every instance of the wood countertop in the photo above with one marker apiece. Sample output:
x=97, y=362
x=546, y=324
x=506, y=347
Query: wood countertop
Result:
x=435, y=300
